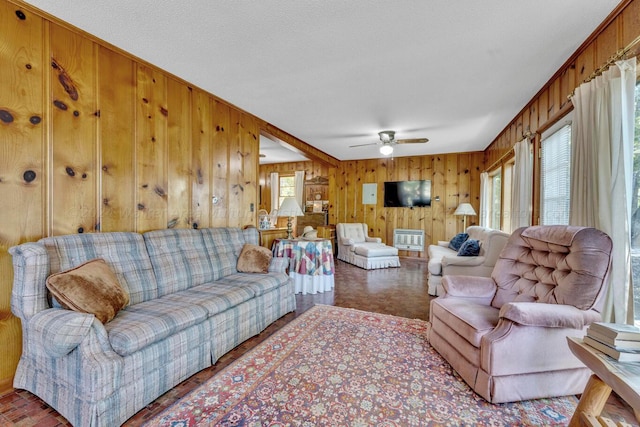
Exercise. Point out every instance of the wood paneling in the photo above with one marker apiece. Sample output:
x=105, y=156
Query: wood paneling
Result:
x=23, y=170
x=116, y=131
x=455, y=178
x=551, y=101
x=93, y=139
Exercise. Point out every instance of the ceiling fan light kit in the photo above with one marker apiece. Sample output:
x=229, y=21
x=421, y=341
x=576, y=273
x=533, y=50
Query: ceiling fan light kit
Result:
x=388, y=140
x=386, y=149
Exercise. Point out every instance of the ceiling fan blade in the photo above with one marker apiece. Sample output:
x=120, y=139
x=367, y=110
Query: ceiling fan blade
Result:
x=363, y=145
x=412, y=141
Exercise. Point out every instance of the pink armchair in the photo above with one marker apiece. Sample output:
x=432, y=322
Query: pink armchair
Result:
x=506, y=334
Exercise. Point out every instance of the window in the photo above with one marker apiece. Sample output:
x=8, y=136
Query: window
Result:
x=495, y=201
x=507, y=185
x=555, y=175
x=287, y=188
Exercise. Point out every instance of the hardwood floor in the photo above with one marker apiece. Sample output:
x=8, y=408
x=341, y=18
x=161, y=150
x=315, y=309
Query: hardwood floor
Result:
x=397, y=291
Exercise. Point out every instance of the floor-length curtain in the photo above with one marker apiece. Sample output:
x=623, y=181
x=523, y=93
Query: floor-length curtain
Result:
x=299, y=183
x=275, y=191
x=521, y=189
x=601, y=173
x=484, y=199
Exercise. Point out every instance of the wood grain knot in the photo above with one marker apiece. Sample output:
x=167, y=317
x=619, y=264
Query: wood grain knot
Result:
x=20, y=14
x=61, y=105
x=70, y=171
x=35, y=120
x=172, y=223
x=28, y=66
x=140, y=207
x=29, y=176
x=164, y=111
x=195, y=225
x=6, y=116
x=159, y=191
x=80, y=230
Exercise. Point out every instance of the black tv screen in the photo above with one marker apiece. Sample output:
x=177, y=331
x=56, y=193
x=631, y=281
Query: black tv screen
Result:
x=407, y=194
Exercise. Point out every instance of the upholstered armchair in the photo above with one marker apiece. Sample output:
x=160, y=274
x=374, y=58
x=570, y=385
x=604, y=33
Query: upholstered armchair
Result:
x=506, y=334
x=357, y=248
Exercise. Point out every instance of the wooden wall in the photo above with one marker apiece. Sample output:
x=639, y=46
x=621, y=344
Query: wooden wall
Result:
x=551, y=102
x=455, y=178
x=92, y=139
x=312, y=169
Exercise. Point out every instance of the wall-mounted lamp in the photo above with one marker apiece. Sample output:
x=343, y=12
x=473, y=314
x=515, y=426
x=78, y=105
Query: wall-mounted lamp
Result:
x=465, y=209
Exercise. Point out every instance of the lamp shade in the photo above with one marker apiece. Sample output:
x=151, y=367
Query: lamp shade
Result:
x=465, y=209
x=290, y=207
x=386, y=149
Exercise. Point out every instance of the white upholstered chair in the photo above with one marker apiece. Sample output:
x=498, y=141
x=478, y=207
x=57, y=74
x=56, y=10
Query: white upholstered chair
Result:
x=357, y=248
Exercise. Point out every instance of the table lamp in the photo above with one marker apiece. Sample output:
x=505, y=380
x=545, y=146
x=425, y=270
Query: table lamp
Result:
x=465, y=209
x=289, y=208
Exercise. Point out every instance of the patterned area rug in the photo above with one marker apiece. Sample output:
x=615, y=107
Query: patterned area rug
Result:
x=342, y=367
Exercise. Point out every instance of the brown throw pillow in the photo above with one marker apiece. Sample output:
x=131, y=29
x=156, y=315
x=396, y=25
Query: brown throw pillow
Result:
x=254, y=259
x=91, y=287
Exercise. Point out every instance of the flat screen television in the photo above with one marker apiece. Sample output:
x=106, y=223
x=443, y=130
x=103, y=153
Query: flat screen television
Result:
x=407, y=194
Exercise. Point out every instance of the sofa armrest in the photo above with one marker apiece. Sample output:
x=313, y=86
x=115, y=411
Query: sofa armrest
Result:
x=346, y=241
x=443, y=243
x=278, y=265
x=30, y=271
x=469, y=287
x=548, y=315
x=462, y=261
x=59, y=331
x=373, y=239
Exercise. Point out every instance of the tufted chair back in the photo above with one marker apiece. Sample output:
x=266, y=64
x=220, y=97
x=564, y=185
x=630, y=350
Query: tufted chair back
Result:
x=554, y=264
x=356, y=231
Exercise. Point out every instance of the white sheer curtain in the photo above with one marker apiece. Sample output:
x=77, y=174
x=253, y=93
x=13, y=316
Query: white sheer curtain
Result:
x=601, y=173
x=299, y=183
x=275, y=191
x=484, y=199
x=522, y=186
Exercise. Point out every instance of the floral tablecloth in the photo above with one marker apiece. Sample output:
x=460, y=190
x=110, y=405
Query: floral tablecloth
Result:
x=311, y=264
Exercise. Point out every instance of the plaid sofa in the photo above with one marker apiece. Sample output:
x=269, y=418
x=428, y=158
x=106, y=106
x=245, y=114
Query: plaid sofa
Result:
x=188, y=306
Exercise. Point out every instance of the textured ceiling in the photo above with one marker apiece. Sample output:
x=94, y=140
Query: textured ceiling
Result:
x=334, y=72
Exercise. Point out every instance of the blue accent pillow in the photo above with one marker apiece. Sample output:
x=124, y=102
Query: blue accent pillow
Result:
x=457, y=241
x=471, y=247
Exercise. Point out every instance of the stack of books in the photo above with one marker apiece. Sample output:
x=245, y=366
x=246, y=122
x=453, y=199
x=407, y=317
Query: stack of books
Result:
x=621, y=342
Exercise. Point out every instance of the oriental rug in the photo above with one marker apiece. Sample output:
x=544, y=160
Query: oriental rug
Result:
x=343, y=367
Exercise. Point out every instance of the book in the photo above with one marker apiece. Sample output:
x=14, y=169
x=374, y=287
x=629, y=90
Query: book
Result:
x=614, y=342
x=618, y=354
x=616, y=330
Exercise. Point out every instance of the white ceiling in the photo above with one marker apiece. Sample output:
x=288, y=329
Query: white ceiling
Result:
x=334, y=73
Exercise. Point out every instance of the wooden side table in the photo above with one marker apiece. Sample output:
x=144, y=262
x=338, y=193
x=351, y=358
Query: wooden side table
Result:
x=608, y=374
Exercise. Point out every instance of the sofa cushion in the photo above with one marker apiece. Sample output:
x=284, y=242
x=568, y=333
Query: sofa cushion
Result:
x=259, y=283
x=457, y=241
x=470, y=320
x=471, y=247
x=142, y=324
x=91, y=288
x=375, y=250
x=223, y=247
x=125, y=253
x=180, y=259
x=214, y=297
x=254, y=259
x=436, y=253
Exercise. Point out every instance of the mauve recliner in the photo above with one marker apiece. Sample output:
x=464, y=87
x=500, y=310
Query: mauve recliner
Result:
x=506, y=334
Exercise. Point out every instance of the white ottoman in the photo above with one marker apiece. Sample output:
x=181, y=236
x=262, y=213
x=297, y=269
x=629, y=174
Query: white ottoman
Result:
x=375, y=255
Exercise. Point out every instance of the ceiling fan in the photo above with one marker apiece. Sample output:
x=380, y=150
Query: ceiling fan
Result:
x=388, y=140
